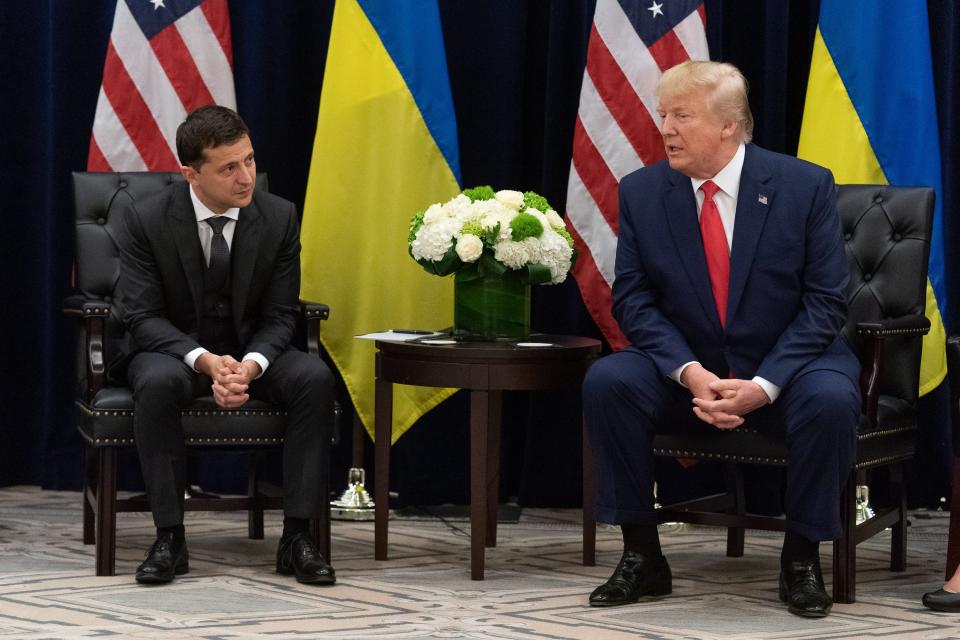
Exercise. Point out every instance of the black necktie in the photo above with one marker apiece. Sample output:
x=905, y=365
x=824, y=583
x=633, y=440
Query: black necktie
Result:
x=219, y=265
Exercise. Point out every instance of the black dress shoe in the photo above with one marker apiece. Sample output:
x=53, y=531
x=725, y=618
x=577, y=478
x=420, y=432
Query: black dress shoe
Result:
x=166, y=558
x=636, y=575
x=942, y=600
x=296, y=555
x=801, y=587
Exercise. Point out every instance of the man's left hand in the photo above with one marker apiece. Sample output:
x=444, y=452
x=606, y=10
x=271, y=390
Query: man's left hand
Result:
x=737, y=398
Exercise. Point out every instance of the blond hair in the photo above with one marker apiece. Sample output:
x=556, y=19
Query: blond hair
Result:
x=727, y=97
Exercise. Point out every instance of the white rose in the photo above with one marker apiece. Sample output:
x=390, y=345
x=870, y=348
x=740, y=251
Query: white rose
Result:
x=469, y=247
x=513, y=199
x=554, y=219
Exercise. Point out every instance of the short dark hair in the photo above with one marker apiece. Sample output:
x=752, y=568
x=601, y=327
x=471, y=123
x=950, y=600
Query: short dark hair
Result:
x=205, y=128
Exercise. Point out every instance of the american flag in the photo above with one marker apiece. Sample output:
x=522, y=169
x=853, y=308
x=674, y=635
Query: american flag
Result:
x=617, y=129
x=165, y=58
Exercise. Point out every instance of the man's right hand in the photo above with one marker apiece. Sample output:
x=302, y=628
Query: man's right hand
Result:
x=228, y=393
x=697, y=380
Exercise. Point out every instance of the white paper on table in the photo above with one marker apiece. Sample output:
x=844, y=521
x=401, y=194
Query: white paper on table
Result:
x=397, y=336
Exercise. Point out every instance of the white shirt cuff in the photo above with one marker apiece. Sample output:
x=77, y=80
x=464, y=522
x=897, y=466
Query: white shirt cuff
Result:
x=260, y=360
x=676, y=373
x=191, y=358
x=772, y=390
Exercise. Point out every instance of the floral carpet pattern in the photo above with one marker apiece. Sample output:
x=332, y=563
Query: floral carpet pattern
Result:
x=535, y=586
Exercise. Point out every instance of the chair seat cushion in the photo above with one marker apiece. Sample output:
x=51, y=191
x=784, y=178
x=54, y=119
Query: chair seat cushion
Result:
x=108, y=422
x=893, y=439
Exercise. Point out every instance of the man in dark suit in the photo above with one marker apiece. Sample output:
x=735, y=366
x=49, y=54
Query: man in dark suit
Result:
x=210, y=278
x=730, y=279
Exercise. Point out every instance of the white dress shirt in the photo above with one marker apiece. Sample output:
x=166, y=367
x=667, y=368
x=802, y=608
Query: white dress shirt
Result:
x=205, y=231
x=728, y=182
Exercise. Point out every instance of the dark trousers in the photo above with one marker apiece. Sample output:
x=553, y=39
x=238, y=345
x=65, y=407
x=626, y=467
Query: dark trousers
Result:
x=626, y=402
x=297, y=382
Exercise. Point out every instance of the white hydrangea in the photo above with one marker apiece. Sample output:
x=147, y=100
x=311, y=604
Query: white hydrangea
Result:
x=555, y=254
x=469, y=247
x=433, y=214
x=514, y=255
x=432, y=241
x=513, y=199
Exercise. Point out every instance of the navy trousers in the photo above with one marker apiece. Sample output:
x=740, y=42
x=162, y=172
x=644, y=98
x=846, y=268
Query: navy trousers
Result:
x=626, y=402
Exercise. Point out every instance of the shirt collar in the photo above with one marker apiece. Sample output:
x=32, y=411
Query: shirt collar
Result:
x=202, y=212
x=728, y=178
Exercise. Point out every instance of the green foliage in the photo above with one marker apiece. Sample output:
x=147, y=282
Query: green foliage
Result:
x=525, y=225
x=535, y=201
x=415, y=223
x=474, y=228
x=563, y=233
x=449, y=263
x=484, y=192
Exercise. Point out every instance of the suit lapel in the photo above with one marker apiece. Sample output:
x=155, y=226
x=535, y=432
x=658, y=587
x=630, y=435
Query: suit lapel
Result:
x=753, y=203
x=183, y=225
x=681, y=212
x=243, y=252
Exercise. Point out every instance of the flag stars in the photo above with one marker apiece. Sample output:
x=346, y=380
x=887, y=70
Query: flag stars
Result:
x=157, y=4
x=655, y=9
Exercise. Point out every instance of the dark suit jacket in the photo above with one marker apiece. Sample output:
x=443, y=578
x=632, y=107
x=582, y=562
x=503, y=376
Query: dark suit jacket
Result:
x=162, y=267
x=788, y=273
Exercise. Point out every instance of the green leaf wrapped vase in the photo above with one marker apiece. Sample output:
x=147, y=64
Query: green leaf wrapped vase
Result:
x=496, y=244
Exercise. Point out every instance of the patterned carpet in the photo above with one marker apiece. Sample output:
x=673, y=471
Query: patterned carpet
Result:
x=535, y=586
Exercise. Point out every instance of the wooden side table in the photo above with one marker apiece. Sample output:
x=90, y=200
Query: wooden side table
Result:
x=486, y=369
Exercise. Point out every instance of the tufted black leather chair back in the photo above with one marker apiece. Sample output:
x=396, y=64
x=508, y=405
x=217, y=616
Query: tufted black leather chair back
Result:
x=100, y=200
x=887, y=235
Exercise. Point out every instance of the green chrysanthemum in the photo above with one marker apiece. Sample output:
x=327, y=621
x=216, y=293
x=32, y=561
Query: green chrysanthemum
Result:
x=525, y=225
x=484, y=192
x=535, y=201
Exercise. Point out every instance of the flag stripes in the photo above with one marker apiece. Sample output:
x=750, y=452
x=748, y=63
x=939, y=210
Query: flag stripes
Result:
x=164, y=59
x=617, y=128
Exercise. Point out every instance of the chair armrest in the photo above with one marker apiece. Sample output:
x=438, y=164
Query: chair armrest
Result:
x=83, y=307
x=94, y=314
x=912, y=325
x=874, y=333
x=313, y=313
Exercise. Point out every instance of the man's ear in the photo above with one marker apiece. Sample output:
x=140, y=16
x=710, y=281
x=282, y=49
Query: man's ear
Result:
x=729, y=129
x=189, y=174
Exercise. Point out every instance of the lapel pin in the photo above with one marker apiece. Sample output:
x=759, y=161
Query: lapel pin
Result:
x=762, y=199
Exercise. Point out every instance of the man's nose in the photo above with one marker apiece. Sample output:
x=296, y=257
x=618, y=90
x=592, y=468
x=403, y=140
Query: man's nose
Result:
x=247, y=174
x=666, y=125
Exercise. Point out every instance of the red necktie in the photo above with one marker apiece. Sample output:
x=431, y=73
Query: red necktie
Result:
x=715, y=249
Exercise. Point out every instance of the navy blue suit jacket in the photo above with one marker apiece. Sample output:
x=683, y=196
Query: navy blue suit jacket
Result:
x=788, y=273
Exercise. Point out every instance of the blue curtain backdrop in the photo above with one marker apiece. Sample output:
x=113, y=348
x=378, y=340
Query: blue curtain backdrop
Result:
x=515, y=72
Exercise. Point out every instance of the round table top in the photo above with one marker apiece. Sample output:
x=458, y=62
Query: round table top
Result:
x=535, y=347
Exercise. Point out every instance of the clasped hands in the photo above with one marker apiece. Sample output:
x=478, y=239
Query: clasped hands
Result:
x=722, y=402
x=231, y=379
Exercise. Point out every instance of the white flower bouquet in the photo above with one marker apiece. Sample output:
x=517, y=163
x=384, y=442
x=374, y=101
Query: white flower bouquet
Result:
x=482, y=233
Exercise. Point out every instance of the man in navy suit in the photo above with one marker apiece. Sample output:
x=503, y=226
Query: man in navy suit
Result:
x=210, y=279
x=730, y=280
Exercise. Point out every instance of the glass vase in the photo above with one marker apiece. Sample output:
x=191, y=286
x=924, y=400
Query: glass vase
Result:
x=491, y=308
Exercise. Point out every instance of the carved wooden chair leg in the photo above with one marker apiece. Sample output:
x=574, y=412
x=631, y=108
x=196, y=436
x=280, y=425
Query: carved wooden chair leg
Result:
x=106, y=514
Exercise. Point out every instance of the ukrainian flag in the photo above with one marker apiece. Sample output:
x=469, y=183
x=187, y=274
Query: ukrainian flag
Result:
x=385, y=148
x=870, y=117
